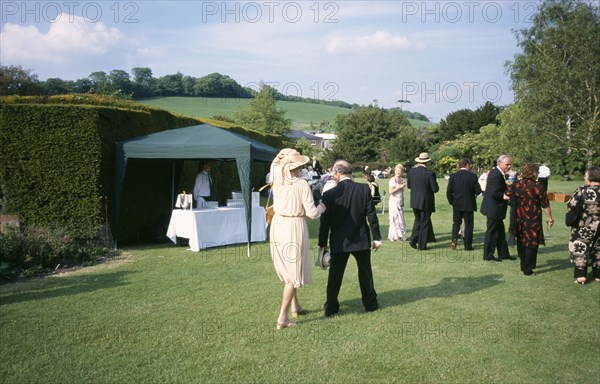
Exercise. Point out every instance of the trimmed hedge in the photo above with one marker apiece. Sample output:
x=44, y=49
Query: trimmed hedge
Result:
x=57, y=162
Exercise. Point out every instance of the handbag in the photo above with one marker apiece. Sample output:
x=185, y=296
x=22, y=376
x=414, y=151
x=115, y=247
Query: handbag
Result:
x=574, y=214
x=269, y=210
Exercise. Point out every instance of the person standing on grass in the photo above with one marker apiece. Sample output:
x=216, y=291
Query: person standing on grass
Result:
x=289, y=239
x=461, y=192
x=528, y=197
x=397, y=228
x=494, y=207
x=584, y=244
x=344, y=226
x=423, y=184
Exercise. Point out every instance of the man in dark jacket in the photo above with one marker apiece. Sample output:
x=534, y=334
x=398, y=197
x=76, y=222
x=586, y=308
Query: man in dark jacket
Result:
x=494, y=207
x=423, y=184
x=349, y=208
x=463, y=187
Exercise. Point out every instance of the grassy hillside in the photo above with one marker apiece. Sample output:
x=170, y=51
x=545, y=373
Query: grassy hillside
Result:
x=301, y=114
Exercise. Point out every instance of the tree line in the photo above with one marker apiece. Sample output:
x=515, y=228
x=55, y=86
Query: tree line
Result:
x=141, y=83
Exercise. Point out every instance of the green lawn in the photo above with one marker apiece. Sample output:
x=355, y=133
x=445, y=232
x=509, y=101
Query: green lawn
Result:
x=301, y=114
x=163, y=314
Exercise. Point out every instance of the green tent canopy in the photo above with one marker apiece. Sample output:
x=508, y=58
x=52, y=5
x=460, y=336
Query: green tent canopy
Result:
x=196, y=142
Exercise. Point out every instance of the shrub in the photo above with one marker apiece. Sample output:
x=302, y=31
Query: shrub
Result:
x=38, y=249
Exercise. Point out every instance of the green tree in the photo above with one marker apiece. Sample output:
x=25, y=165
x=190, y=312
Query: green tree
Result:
x=56, y=86
x=120, y=82
x=556, y=77
x=144, y=83
x=14, y=80
x=261, y=113
x=188, y=84
x=82, y=85
x=305, y=147
x=404, y=147
x=100, y=83
x=170, y=85
x=462, y=121
x=367, y=132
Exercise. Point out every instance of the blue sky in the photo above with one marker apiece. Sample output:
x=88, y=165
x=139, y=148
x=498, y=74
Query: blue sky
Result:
x=440, y=55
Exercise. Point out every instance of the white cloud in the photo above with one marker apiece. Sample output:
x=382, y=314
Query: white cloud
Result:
x=377, y=42
x=150, y=52
x=68, y=39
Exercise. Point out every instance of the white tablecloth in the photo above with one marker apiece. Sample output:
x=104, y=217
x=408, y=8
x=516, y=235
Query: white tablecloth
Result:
x=216, y=227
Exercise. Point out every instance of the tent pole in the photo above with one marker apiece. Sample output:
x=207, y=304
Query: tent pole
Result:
x=172, y=183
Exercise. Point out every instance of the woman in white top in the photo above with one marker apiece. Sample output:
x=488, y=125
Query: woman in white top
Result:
x=397, y=230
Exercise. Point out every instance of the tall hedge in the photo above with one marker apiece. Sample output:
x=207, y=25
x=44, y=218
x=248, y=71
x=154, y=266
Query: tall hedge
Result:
x=57, y=164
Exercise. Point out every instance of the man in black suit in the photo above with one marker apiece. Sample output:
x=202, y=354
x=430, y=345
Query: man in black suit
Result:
x=463, y=187
x=349, y=207
x=423, y=184
x=494, y=206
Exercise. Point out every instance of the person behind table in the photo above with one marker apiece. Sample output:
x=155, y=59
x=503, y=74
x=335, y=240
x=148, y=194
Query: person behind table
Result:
x=528, y=197
x=461, y=192
x=584, y=244
x=203, y=184
x=348, y=225
x=289, y=238
x=397, y=228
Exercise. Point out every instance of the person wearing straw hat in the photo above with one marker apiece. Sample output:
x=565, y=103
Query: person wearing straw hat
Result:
x=422, y=183
x=289, y=240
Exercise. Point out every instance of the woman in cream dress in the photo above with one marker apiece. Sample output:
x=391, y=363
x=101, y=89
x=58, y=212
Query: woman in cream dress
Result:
x=289, y=239
x=397, y=229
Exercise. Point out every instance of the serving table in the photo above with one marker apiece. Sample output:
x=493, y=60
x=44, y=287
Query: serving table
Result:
x=206, y=228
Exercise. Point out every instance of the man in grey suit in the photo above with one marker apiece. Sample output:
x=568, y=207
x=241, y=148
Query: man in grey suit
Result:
x=494, y=207
x=463, y=187
x=349, y=207
x=422, y=183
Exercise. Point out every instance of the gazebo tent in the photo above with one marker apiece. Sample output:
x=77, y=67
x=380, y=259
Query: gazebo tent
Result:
x=196, y=142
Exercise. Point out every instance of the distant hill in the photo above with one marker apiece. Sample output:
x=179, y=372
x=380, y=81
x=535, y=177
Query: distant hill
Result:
x=301, y=114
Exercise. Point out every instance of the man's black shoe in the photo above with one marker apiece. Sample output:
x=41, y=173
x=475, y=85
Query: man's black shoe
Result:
x=509, y=257
x=492, y=258
x=412, y=245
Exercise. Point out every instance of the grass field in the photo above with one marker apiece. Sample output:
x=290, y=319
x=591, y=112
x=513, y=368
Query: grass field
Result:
x=163, y=314
x=301, y=114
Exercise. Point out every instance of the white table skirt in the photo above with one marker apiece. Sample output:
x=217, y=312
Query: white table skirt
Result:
x=207, y=228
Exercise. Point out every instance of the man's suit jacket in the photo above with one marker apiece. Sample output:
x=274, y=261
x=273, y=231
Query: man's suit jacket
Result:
x=422, y=184
x=349, y=207
x=463, y=187
x=494, y=206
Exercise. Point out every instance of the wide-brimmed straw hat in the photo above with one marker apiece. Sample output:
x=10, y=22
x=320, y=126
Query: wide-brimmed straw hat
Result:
x=297, y=160
x=423, y=158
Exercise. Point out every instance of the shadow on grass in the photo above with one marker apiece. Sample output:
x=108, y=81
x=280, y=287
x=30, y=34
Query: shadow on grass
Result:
x=446, y=287
x=62, y=286
x=547, y=266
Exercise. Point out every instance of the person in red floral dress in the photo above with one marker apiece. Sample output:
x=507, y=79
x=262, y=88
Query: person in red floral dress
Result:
x=528, y=197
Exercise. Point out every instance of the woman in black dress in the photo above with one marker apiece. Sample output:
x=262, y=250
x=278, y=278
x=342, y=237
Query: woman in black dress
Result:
x=528, y=198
